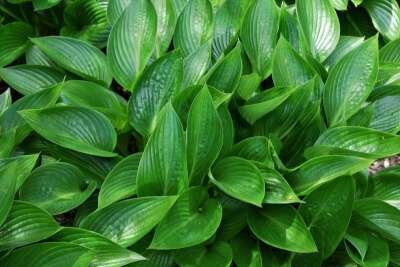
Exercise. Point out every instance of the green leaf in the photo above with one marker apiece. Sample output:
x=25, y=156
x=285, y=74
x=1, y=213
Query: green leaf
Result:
x=289, y=26
x=390, y=53
x=328, y=210
x=158, y=84
x=204, y=136
x=228, y=130
x=384, y=186
x=194, y=27
x=44, y=4
x=218, y=254
x=277, y=189
x=233, y=219
x=128, y=221
x=356, y=141
x=282, y=227
x=226, y=76
x=192, y=220
x=120, y=183
x=386, y=114
x=106, y=252
x=10, y=120
x=320, y=27
x=49, y=254
x=246, y=252
x=5, y=101
x=35, y=56
x=345, y=45
x=13, y=41
x=115, y=9
x=339, y=4
x=8, y=183
x=350, y=82
x=57, y=187
x=164, y=172
x=80, y=93
x=166, y=21
x=378, y=216
x=26, y=224
x=248, y=85
x=195, y=65
x=76, y=56
x=24, y=163
x=29, y=79
x=263, y=103
x=385, y=15
x=131, y=42
x=288, y=67
x=317, y=171
x=91, y=132
x=239, y=178
x=255, y=148
x=259, y=34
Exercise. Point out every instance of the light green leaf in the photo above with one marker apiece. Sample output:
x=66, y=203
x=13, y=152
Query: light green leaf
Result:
x=328, y=210
x=339, y=4
x=320, y=27
x=192, y=220
x=120, y=183
x=263, y=103
x=10, y=120
x=218, y=254
x=13, y=41
x=57, y=187
x=76, y=56
x=26, y=224
x=282, y=227
x=259, y=34
x=44, y=4
x=345, y=45
x=317, y=171
x=248, y=85
x=160, y=82
x=195, y=65
x=390, y=53
x=350, y=82
x=386, y=114
x=356, y=141
x=194, y=27
x=128, y=221
x=29, y=79
x=164, y=172
x=106, y=252
x=131, y=42
x=115, y=9
x=5, y=101
x=385, y=15
x=49, y=254
x=166, y=21
x=204, y=136
x=239, y=178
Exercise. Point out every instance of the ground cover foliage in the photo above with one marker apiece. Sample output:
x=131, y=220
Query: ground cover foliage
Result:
x=199, y=133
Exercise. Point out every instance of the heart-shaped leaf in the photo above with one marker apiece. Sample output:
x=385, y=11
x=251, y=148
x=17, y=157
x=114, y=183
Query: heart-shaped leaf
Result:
x=79, y=129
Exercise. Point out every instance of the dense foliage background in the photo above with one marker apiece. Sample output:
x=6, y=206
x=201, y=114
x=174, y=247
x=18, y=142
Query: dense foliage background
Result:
x=199, y=133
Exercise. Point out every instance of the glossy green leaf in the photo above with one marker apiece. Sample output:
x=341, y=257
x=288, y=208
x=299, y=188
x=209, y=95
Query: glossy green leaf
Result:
x=164, y=172
x=192, y=220
x=8, y=183
x=5, y=101
x=79, y=129
x=76, y=56
x=128, y=221
x=345, y=45
x=384, y=186
x=49, y=254
x=320, y=27
x=217, y=255
x=13, y=41
x=160, y=82
x=120, y=183
x=328, y=210
x=29, y=79
x=204, y=136
x=289, y=26
x=194, y=27
x=255, y=148
x=385, y=15
x=281, y=227
x=35, y=56
x=166, y=21
x=115, y=9
x=26, y=224
x=386, y=114
x=24, y=163
x=350, y=82
x=339, y=4
x=259, y=34
x=195, y=65
x=320, y=170
x=390, y=52
x=10, y=120
x=131, y=42
x=57, y=187
x=106, y=252
x=239, y=178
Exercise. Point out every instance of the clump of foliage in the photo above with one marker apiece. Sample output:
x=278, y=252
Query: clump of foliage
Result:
x=199, y=133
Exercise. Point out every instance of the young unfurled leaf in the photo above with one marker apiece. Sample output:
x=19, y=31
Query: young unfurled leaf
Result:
x=131, y=42
x=193, y=219
x=76, y=56
x=128, y=221
x=239, y=178
x=79, y=129
x=164, y=172
x=259, y=34
x=57, y=187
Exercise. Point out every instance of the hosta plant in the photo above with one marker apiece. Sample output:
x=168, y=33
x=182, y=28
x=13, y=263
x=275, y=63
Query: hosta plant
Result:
x=199, y=133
